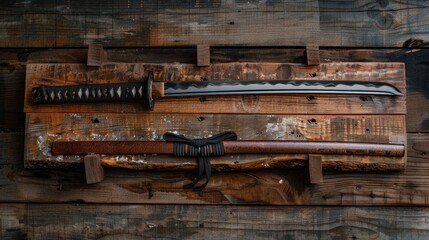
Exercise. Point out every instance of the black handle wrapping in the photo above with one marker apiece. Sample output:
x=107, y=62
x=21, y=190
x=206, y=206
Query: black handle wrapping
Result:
x=95, y=92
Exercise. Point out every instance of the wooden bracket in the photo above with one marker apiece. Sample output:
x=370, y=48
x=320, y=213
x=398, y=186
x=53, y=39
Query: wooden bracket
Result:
x=96, y=55
x=312, y=54
x=315, y=169
x=203, y=55
x=93, y=170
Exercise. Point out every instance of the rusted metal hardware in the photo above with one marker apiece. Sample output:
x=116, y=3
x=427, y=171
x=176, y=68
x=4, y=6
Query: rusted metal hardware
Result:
x=230, y=147
x=150, y=90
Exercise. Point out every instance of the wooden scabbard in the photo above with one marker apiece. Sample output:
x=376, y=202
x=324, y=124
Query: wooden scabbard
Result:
x=231, y=147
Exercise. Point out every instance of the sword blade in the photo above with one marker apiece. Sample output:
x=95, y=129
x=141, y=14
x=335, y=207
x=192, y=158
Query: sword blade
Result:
x=210, y=88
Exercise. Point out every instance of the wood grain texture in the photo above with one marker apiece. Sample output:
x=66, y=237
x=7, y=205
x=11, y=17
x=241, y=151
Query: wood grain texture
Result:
x=96, y=55
x=93, y=170
x=312, y=54
x=355, y=23
x=89, y=221
x=417, y=117
x=69, y=74
x=44, y=128
x=315, y=169
x=279, y=187
x=11, y=146
x=203, y=55
x=346, y=23
x=414, y=59
x=12, y=76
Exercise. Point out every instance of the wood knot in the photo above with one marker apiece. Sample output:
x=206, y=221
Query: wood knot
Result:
x=366, y=98
x=312, y=120
x=149, y=190
x=384, y=21
x=250, y=103
x=413, y=42
x=201, y=118
x=383, y=3
x=310, y=98
x=95, y=120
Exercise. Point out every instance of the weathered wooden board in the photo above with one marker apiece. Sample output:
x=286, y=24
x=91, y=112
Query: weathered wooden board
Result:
x=416, y=68
x=355, y=23
x=89, y=221
x=284, y=187
x=69, y=74
x=44, y=128
x=300, y=118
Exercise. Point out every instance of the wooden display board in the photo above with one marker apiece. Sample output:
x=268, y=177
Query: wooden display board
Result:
x=373, y=119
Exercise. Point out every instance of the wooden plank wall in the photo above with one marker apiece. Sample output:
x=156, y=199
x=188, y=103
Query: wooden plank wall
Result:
x=52, y=204
x=357, y=23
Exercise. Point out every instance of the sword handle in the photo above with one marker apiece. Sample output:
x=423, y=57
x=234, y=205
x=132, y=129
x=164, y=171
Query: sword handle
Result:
x=99, y=92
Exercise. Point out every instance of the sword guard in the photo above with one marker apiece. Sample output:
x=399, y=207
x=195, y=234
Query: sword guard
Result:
x=150, y=103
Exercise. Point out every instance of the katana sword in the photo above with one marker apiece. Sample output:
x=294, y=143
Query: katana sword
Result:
x=149, y=90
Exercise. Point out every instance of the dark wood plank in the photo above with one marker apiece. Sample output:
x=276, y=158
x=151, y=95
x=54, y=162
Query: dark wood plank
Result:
x=315, y=168
x=11, y=147
x=417, y=116
x=69, y=74
x=89, y=221
x=12, y=76
x=357, y=23
x=93, y=170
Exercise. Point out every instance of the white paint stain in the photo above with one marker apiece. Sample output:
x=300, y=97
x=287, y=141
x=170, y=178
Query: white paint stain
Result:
x=123, y=158
x=196, y=26
x=59, y=158
x=75, y=115
x=279, y=129
x=97, y=137
x=44, y=149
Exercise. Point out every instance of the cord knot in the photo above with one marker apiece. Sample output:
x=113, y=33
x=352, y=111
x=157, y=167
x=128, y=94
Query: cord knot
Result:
x=201, y=149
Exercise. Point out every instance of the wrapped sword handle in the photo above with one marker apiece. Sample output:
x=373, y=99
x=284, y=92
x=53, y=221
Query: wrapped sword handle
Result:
x=96, y=92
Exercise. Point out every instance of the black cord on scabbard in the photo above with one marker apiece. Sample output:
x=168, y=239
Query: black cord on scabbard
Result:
x=202, y=149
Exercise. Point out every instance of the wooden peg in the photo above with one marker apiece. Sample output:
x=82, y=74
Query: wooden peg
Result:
x=203, y=55
x=93, y=170
x=315, y=169
x=312, y=54
x=96, y=55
